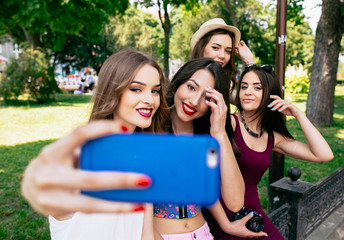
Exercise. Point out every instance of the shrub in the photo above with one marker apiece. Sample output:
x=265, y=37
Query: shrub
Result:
x=296, y=80
x=29, y=73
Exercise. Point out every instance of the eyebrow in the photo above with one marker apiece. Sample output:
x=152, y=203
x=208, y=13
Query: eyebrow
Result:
x=194, y=82
x=143, y=84
x=256, y=83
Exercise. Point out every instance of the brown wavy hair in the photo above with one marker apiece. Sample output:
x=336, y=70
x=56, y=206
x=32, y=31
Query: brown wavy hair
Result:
x=116, y=75
x=198, y=52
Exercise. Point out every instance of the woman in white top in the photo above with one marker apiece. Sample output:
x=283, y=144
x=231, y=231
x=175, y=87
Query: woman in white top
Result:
x=129, y=98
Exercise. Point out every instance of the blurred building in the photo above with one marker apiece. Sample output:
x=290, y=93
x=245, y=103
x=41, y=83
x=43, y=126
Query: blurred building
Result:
x=8, y=48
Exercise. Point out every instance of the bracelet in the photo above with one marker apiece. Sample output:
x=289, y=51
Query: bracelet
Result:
x=249, y=65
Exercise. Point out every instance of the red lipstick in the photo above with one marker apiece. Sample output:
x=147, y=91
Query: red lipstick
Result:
x=188, y=109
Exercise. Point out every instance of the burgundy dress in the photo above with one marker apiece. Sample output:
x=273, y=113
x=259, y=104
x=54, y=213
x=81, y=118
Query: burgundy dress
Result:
x=253, y=165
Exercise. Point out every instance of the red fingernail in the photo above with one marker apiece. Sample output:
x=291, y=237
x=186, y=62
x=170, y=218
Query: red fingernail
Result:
x=124, y=128
x=138, y=208
x=143, y=181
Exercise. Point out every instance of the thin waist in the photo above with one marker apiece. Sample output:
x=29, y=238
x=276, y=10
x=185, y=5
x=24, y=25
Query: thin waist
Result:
x=202, y=233
x=176, y=226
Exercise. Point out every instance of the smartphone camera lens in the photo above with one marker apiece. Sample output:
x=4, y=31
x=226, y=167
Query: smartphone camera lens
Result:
x=212, y=160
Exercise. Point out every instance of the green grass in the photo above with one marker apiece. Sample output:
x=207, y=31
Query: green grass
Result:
x=26, y=127
x=34, y=122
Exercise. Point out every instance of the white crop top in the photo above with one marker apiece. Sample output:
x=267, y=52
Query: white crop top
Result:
x=124, y=226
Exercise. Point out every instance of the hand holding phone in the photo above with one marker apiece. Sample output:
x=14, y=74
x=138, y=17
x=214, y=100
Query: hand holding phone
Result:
x=183, y=169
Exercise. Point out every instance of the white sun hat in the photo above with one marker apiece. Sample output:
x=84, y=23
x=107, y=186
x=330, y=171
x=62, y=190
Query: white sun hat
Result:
x=212, y=24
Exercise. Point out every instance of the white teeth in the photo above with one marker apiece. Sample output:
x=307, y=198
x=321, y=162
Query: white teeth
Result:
x=144, y=110
x=190, y=110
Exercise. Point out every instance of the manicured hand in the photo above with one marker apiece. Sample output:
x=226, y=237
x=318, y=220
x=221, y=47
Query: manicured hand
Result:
x=218, y=112
x=244, y=53
x=239, y=229
x=283, y=106
x=52, y=183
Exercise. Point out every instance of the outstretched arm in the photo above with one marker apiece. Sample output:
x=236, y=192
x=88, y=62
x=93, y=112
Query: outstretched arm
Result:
x=52, y=184
x=232, y=183
x=317, y=149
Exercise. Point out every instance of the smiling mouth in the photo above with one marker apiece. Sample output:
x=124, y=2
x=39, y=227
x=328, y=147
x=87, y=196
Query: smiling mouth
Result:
x=221, y=63
x=145, y=112
x=188, y=109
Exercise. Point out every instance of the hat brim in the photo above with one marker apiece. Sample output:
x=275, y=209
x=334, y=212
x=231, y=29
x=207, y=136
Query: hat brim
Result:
x=203, y=31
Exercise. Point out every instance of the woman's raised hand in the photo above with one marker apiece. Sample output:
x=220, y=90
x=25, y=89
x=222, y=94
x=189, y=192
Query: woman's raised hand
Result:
x=244, y=53
x=52, y=183
x=218, y=112
x=283, y=106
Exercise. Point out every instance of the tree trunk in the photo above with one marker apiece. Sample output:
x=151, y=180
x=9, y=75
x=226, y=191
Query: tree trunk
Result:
x=231, y=13
x=165, y=22
x=167, y=30
x=32, y=38
x=323, y=80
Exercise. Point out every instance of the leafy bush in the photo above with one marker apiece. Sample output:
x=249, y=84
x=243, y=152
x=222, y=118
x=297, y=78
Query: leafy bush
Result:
x=296, y=80
x=29, y=73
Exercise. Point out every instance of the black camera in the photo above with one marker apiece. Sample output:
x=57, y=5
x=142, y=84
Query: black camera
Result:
x=255, y=224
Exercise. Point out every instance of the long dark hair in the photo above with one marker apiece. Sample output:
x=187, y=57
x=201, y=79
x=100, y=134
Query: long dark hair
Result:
x=116, y=75
x=269, y=120
x=202, y=124
x=198, y=52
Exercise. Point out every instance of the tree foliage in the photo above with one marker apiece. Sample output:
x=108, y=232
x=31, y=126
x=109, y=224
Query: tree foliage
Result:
x=47, y=24
x=29, y=73
x=136, y=29
x=300, y=44
x=296, y=79
x=164, y=16
x=185, y=23
x=80, y=51
x=71, y=31
x=257, y=25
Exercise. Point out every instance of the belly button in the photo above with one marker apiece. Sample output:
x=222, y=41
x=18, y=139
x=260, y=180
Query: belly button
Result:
x=186, y=225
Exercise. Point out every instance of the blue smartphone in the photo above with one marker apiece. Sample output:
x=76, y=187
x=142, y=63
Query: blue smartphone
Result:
x=184, y=169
